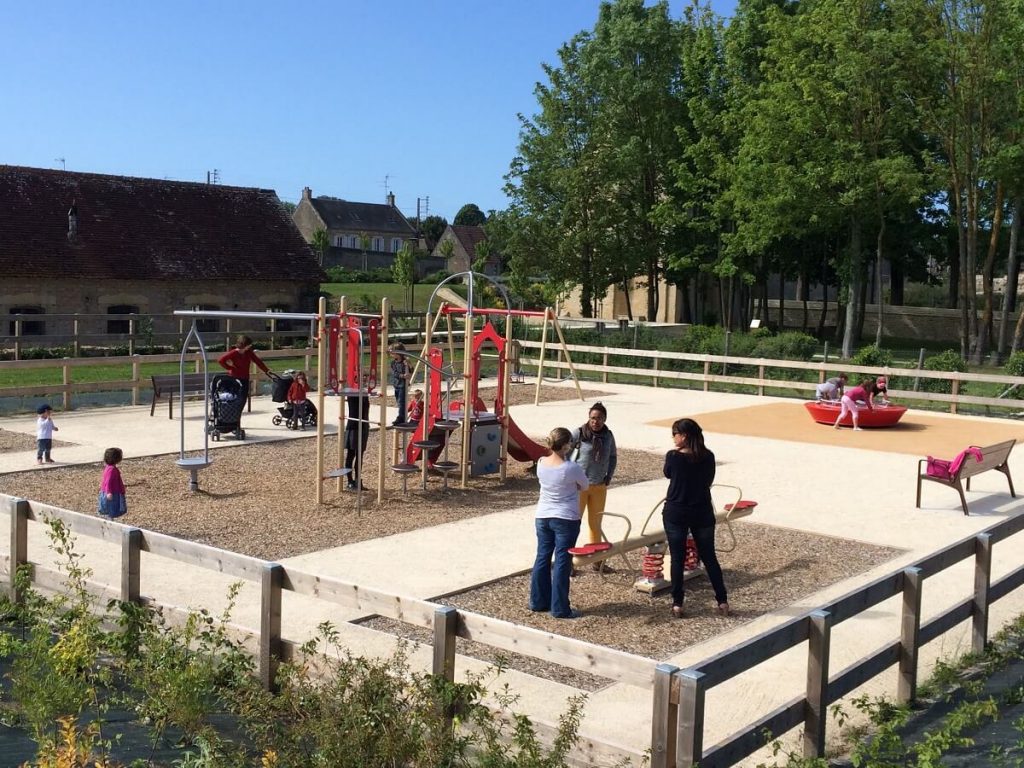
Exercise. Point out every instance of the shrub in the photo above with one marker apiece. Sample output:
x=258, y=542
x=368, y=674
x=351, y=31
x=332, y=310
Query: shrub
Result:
x=436, y=277
x=703, y=340
x=790, y=345
x=949, y=360
x=1015, y=365
x=872, y=355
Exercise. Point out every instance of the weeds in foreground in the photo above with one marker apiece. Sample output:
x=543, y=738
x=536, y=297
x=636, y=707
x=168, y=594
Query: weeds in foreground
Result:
x=192, y=685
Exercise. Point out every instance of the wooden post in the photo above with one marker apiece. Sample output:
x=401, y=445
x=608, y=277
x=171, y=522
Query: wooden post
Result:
x=707, y=372
x=819, y=642
x=382, y=443
x=956, y=391
x=270, y=622
x=136, y=374
x=17, y=338
x=227, y=333
x=760, y=376
x=540, y=359
x=424, y=421
x=19, y=510
x=321, y=379
x=66, y=377
x=664, y=718
x=982, y=583
x=910, y=631
x=75, y=349
x=604, y=363
x=131, y=549
x=131, y=334
x=342, y=364
x=654, y=379
x=446, y=622
x=568, y=358
x=690, y=726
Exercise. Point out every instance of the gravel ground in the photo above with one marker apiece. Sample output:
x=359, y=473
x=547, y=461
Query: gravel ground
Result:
x=261, y=501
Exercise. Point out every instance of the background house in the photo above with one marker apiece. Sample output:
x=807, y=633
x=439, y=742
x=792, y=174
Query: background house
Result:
x=362, y=236
x=90, y=243
x=466, y=239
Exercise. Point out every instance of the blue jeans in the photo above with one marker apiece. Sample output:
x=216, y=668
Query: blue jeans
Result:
x=43, y=446
x=704, y=538
x=549, y=587
x=400, y=400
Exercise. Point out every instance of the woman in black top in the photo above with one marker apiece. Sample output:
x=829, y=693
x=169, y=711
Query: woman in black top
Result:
x=690, y=469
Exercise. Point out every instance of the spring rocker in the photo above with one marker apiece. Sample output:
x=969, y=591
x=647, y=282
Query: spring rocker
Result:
x=648, y=574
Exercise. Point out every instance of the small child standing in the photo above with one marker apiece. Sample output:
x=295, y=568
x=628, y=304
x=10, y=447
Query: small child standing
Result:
x=112, y=501
x=399, y=378
x=416, y=406
x=297, y=396
x=44, y=434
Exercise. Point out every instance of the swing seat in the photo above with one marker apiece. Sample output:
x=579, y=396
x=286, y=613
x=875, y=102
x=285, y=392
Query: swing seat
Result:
x=741, y=508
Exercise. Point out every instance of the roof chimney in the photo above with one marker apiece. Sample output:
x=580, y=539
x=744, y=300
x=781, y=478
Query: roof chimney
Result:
x=72, y=220
x=307, y=193
x=391, y=199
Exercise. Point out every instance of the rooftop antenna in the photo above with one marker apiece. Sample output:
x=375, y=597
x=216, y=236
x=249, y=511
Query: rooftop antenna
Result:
x=63, y=165
x=213, y=177
x=387, y=184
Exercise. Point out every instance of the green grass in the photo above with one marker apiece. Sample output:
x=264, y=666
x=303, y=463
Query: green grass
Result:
x=367, y=296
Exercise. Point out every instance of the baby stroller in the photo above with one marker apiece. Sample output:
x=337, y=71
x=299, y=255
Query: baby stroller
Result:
x=227, y=399
x=286, y=411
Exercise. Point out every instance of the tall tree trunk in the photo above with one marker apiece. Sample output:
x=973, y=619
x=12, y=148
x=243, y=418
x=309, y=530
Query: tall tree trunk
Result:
x=1010, y=294
x=685, y=305
x=629, y=302
x=878, y=274
x=854, y=293
x=987, y=275
x=823, y=315
x=895, y=284
x=782, y=301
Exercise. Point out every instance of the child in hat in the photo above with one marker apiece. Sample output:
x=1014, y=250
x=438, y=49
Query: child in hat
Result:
x=44, y=434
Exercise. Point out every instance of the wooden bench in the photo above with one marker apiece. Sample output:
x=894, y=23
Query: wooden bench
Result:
x=993, y=457
x=171, y=383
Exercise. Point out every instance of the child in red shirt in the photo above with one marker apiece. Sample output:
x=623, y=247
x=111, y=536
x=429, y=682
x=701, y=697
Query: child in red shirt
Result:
x=297, y=397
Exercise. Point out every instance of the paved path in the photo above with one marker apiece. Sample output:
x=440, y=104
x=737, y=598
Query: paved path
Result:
x=853, y=488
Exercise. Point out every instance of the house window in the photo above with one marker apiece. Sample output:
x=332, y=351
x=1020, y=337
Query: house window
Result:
x=339, y=241
x=396, y=244
x=208, y=324
x=28, y=327
x=121, y=326
x=284, y=325
x=353, y=241
x=378, y=244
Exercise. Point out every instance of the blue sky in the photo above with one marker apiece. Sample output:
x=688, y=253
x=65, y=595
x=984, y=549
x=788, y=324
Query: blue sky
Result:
x=343, y=96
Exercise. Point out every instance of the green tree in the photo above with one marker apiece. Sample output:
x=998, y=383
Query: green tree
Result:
x=321, y=242
x=470, y=215
x=404, y=271
x=364, y=244
x=431, y=228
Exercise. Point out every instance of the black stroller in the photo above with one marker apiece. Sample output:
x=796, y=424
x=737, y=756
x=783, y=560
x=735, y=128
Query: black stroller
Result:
x=227, y=399
x=286, y=411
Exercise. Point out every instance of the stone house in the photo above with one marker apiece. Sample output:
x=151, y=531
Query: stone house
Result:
x=103, y=245
x=465, y=239
x=362, y=236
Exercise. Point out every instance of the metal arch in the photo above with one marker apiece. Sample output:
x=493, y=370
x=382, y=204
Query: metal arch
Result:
x=469, y=298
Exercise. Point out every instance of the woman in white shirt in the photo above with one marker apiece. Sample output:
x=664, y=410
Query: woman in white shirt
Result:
x=558, y=525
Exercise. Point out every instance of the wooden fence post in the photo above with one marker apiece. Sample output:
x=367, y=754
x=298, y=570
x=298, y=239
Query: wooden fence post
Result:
x=131, y=335
x=270, y=623
x=19, y=510
x=956, y=392
x=760, y=376
x=17, y=338
x=604, y=373
x=131, y=549
x=690, y=728
x=136, y=374
x=707, y=372
x=446, y=621
x=74, y=336
x=655, y=377
x=664, y=718
x=910, y=631
x=982, y=583
x=819, y=642
x=66, y=378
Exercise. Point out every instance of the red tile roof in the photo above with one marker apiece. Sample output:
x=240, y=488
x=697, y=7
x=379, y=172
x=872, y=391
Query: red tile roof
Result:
x=468, y=236
x=145, y=229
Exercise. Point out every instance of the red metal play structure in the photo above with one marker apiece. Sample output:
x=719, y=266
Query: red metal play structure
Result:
x=520, y=447
x=355, y=326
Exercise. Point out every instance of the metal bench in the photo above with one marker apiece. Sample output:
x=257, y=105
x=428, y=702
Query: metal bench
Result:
x=171, y=384
x=993, y=457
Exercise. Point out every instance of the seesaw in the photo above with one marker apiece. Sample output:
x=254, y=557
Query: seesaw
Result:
x=655, y=545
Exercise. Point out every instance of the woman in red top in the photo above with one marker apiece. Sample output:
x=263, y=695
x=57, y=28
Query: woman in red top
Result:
x=237, y=362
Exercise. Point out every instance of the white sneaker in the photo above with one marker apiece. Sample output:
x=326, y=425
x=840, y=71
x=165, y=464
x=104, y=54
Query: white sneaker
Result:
x=857, y=429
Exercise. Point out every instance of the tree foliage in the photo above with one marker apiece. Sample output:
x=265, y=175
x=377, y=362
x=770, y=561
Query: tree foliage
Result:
x=815, y=140
x=470, y=215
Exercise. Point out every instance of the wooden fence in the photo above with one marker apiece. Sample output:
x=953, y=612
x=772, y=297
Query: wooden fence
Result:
x=677, y=695
x=641, y=365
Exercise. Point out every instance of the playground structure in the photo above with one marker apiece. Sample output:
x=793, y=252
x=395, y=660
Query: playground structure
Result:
x=352, y=351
